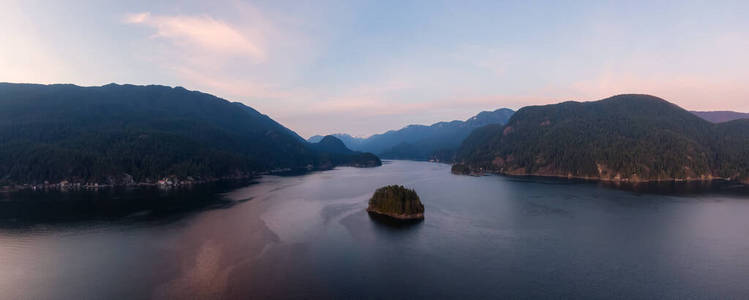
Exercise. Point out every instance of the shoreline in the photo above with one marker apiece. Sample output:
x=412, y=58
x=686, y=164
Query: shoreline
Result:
x=602, y=179
x=96, y=186
x=168, y=181
x=404, y=217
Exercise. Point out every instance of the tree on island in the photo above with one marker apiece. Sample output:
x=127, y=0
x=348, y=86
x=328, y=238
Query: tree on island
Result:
x=396, y=201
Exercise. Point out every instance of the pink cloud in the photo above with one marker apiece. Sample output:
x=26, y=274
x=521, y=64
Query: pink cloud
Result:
x=205, y=32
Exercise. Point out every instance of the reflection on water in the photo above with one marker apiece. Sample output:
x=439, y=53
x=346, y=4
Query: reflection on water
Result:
x=716, y=187
x=28, y=209
x=670, y=188
x=397, y=224
x=310, y=236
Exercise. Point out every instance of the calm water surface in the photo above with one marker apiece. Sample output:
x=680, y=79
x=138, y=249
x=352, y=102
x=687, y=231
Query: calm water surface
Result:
x=309, y=236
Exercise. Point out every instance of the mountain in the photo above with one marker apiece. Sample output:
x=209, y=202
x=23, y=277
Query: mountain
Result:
x=117, y=134
x=339, y=154
x=348, y=140
x=721, y=116
x=420, y=142
x=315, y=138
x=499, y=116
x=622, y=138
x=332, y=144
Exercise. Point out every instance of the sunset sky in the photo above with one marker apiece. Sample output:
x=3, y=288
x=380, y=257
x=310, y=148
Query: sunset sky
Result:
x=360, y=67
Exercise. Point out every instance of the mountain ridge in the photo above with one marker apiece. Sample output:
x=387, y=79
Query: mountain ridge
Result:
x=422, y=142
x=124, y=134
x=627, y=137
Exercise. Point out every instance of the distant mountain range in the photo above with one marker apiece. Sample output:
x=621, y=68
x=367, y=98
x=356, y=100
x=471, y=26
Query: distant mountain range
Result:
x=622, y=138
x=126, y=134
x=721, y=116
x=421, y=142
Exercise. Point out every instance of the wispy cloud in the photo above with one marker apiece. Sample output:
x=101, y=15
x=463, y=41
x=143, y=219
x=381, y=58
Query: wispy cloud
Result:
x=203, y=32
x=319, y=68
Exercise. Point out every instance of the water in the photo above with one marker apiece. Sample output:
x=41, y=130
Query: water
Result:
x=309, y=236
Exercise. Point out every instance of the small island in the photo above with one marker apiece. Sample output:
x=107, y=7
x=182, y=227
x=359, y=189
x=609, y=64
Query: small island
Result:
x=397, y=202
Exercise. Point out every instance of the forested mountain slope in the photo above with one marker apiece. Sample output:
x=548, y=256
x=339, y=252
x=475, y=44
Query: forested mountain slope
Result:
x=622, y=138
x=117, y=134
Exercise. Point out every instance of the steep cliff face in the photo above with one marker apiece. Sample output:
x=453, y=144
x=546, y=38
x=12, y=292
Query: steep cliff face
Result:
x=622, y=138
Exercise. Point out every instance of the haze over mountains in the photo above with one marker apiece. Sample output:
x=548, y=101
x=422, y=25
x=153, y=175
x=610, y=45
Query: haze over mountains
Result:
x=721, y=116
x=622, y=138
x=421, y=142
x=124, y=134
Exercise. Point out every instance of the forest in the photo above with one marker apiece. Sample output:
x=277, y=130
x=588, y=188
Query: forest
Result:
x=625, y=137
x=124, y=134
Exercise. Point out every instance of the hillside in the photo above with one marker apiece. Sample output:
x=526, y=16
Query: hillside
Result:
x=421, y=142
x=332, y=144
x=351, y=142
x=120, y=134
x=721, y=116
x=622, y=138
x=337, y=153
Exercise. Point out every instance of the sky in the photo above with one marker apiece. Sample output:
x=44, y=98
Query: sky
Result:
x=365, y=67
